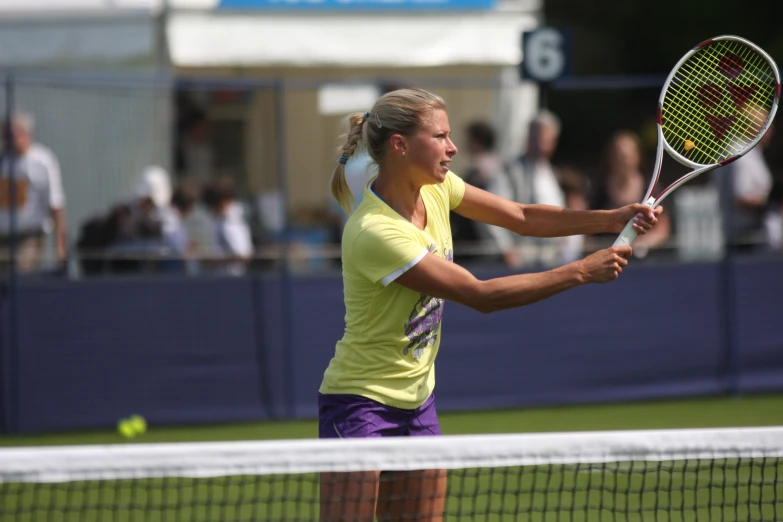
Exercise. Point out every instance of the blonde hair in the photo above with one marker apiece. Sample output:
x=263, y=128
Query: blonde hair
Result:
x=402, y=112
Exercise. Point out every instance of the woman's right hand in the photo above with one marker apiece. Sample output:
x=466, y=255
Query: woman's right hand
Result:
x=605, y=265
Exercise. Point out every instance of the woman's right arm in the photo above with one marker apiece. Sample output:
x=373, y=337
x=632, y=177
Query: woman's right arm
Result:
x=436, y=277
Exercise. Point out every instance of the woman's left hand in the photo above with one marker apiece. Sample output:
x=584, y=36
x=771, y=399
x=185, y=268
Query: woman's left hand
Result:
x=644, y=217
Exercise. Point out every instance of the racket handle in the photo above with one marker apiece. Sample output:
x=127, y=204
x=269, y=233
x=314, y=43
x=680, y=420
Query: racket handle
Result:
x=628, y=234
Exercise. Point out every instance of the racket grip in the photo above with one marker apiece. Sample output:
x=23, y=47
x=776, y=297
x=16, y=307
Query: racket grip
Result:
x=627, y=236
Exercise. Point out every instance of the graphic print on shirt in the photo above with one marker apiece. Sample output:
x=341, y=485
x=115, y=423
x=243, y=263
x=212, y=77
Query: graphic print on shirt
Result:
x=424, y=321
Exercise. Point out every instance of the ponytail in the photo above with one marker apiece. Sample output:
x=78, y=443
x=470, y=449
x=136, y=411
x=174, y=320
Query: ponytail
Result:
x=340, y=189
x=402, y=111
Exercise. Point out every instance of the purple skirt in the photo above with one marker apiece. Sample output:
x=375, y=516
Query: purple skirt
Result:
x=352, y=416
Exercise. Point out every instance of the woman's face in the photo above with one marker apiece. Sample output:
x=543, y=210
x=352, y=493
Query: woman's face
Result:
x=624, y=154
x=430, y=149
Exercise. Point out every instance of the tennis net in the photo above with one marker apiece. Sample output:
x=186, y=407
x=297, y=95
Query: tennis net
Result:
x=660, y=475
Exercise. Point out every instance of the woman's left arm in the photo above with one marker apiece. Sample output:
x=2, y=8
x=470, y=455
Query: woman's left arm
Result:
x=551, y=221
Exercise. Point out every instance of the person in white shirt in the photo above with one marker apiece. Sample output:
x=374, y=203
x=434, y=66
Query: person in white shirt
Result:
x=745, y=188
x=233, y=241
x=175, y=232
x=773, y=218
x=531, y=180
x=39, y=199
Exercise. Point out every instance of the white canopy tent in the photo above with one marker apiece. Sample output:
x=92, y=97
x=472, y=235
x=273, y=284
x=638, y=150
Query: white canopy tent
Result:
x=199, y=39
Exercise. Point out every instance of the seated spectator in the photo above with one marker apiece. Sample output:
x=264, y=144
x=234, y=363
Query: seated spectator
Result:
x=175, y=234
x=131, y=234
x=233, y=243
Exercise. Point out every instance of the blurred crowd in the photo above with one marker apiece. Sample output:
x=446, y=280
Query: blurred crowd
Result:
x=748, y=213
x=194, y=224
x=187, y=228
x=197, y=222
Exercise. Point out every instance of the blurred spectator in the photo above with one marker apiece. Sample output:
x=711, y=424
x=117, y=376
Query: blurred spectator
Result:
x=576, y=189
x=531, y=180
x=131, y=234
x=175, y=233
x=745, y=187
x=358, y=171
x=179, y=248
x=233, y=243
x=773, y=219
x=142, y=218
x=40, y=201
x=484, y=166
x=625, y=184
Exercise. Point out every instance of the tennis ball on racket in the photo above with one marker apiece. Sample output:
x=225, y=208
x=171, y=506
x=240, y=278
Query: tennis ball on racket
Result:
x=125, y=428
x=139, y=424
x=689, y=144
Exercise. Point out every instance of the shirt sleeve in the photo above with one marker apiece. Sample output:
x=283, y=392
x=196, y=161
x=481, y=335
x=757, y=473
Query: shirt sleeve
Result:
x=751, y=176
x=384, y=252
x=56, y=193
x=238, y=240
x=455, y=189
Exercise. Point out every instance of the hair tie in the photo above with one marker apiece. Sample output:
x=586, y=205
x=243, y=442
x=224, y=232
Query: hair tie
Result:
x=344, y=159
x=366, y=115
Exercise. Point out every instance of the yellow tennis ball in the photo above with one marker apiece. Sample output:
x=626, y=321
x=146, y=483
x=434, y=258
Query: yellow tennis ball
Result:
x=139, y=424
x=125, y=428
x=689, y=144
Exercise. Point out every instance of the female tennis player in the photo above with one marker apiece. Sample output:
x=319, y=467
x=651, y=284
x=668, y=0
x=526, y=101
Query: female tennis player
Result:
x=397, y=274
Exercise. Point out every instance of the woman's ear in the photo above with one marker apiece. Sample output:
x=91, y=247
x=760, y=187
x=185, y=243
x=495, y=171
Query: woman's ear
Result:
x=399, y=145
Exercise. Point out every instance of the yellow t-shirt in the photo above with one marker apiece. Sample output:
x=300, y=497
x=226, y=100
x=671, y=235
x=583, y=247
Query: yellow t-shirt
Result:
x=392, y=333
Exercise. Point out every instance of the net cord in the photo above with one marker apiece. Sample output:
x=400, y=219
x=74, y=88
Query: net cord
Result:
x=212, y=459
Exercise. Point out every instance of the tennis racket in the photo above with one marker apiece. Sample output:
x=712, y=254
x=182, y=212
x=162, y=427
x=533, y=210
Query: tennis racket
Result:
x=715, y=106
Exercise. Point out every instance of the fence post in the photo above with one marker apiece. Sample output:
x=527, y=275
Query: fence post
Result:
x=13, y=283
x=286, y=286
x=728, y=317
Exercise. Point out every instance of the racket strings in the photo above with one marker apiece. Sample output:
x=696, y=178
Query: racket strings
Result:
x=756, y=61
x=717, y=96
x=687, y=130
x=734, y=92
x=719, y=101
x=720, y=126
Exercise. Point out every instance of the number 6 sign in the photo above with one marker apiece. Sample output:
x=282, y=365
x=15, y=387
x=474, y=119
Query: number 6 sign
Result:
x=545, y=55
